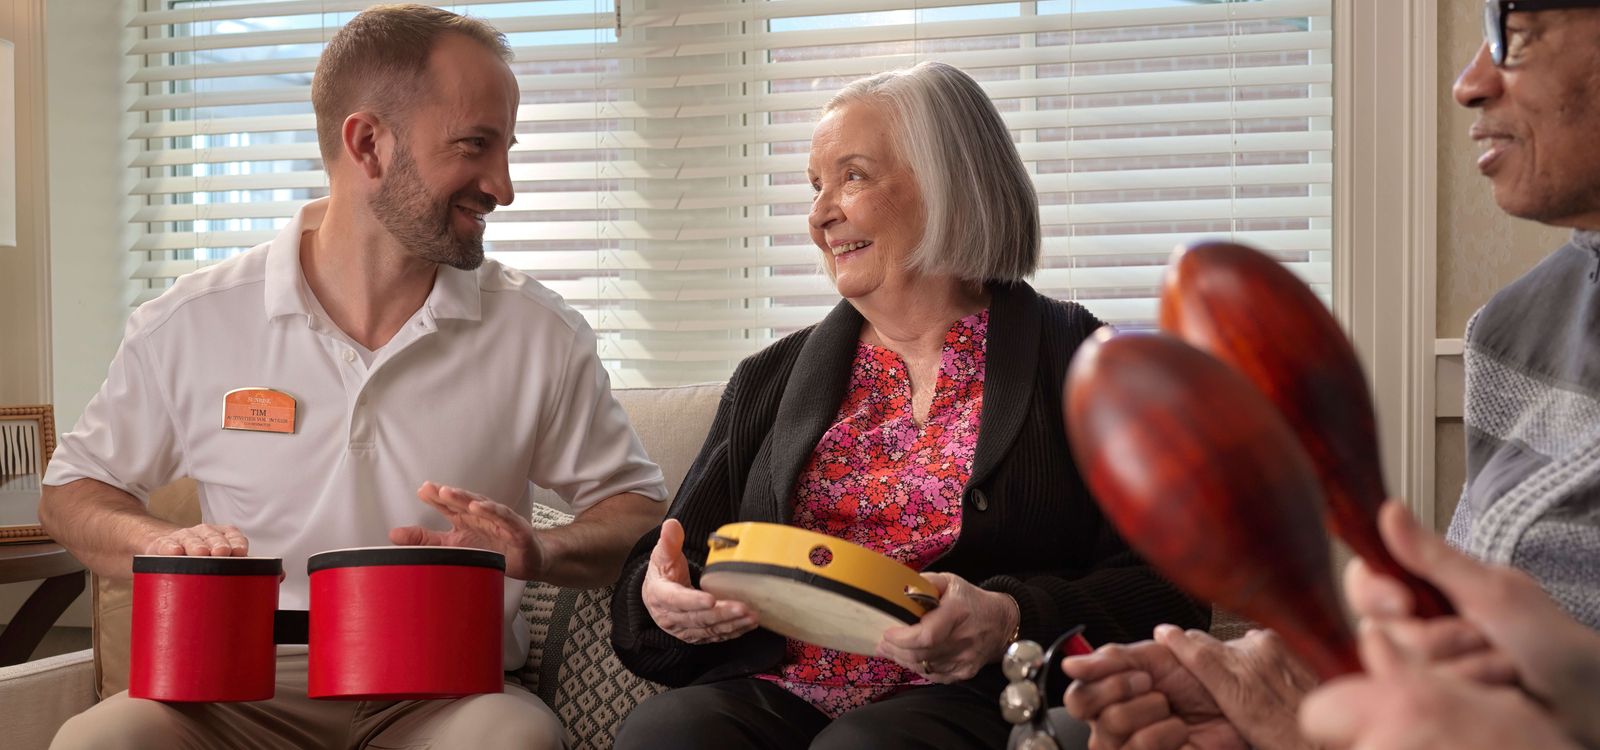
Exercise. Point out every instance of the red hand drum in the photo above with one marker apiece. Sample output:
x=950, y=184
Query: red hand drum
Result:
x=399, y=623
x=202, y=628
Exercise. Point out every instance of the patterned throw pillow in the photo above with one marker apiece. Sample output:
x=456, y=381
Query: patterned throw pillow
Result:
x=571, y=666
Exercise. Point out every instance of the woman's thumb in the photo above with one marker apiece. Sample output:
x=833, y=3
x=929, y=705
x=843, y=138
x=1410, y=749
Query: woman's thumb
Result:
x=667, y=557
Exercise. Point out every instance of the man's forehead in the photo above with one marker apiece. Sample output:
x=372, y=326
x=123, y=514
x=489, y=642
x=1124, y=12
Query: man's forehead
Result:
x=473, y=92
x=461, y=69
x=457, y=63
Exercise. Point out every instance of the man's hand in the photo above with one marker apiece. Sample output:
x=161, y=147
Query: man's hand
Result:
x=1401, y=704
x=1137, y=695
x=967, y=631
x=1189, y=690
x=1255, y=680
x=1451, y=643
x=481, y=523
x=105, y=527
x=1531, y=639
x=687, y=613
x=204, y=540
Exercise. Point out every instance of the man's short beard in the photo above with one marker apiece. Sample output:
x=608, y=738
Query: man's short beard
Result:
x=423, y=227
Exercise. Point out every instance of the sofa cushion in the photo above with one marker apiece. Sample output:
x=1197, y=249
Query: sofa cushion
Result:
x=39, y=696
x=571, y=666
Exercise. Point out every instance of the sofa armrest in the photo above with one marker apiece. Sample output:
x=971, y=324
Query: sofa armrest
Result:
x=39, y=696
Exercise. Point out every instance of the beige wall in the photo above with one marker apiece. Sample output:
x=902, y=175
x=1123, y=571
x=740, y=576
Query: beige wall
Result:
x=25, y=269
x=1480, y=250
x=90, y=295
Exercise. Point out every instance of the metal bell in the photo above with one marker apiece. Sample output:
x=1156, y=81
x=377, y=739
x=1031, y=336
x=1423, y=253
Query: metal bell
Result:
x=1019, y=702
x=1023, y=661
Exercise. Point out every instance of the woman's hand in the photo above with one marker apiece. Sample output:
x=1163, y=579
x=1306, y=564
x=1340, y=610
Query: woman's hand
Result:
x=480, y=523
x=968, y=630
x=688, y=614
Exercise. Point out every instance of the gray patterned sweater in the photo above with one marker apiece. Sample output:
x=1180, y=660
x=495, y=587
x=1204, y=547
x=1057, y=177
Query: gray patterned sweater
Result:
x=1532, y=495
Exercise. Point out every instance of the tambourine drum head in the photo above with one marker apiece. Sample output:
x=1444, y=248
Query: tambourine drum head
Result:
x=202, y=628
x=806, y=612
x=394, y=623
x=814, y=588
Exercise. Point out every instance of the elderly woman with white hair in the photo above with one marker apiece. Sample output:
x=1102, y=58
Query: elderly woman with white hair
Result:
x=922, y=419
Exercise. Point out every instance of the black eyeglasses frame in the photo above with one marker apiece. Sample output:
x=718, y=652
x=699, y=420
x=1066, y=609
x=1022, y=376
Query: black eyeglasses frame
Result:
x=1494, y=19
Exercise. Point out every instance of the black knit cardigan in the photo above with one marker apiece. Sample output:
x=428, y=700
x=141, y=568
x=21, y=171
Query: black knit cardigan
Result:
x=1029, y=527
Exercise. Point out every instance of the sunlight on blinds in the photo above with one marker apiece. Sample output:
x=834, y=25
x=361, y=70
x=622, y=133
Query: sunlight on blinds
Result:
x=660, y=171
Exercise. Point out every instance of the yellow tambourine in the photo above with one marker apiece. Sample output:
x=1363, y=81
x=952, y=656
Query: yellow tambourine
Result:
x=813, y=587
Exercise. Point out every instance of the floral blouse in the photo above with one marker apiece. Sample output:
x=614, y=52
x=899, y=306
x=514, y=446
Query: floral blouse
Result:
x=879, y=480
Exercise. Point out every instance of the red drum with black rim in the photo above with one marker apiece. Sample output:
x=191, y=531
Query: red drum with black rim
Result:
x=202, y=628
x=398, y=623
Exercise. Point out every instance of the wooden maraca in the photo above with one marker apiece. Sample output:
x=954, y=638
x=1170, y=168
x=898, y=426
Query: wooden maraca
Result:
x=1250, y=312
x=1205, y=479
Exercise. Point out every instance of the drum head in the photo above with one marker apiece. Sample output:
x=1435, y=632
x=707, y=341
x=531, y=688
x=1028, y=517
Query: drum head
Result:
x=207, y=566
x=806, y=607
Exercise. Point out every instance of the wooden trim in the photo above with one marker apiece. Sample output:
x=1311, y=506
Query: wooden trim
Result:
x=1449, y=379
x=25, y=269
x=1385, y=208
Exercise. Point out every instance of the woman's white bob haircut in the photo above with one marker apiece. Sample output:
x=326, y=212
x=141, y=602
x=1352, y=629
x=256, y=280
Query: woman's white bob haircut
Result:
x=982, y=211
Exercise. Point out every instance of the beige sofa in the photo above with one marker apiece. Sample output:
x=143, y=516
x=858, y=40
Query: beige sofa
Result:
x=570, y=664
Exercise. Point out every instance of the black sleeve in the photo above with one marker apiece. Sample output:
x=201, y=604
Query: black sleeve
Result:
x=1113, y=592
x=1119, y=600
x=706, y=501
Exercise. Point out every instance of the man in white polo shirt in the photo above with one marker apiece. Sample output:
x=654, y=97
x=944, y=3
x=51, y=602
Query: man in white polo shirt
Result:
x=402, y=381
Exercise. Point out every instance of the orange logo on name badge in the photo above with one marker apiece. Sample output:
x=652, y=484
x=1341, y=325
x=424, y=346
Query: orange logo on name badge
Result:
x=258, y=410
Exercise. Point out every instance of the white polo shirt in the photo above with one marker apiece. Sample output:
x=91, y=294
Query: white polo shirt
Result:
x=493, y=385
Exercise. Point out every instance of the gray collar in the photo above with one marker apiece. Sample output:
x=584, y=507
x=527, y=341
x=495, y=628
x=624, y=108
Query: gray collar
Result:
x=1588, y=239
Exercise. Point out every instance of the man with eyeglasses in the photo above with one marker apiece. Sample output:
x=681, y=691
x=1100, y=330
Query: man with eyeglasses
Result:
x=1520, y=666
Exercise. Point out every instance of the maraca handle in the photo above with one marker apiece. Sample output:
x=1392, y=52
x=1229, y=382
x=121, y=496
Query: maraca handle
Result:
x=1329, y=658
x=1358, y=527
x=1427, y=601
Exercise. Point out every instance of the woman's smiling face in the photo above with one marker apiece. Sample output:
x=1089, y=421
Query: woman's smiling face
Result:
x=866, y=212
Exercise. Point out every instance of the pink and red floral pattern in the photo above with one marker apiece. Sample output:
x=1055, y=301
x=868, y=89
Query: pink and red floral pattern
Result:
x=881, y=481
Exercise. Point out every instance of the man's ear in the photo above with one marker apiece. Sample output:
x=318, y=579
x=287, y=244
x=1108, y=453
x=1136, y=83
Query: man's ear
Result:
x=360, y=138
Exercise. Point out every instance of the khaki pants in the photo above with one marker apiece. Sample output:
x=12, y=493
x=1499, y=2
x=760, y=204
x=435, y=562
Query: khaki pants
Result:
x=512, y=719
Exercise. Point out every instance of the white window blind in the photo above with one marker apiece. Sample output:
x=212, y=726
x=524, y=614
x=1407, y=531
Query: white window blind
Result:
x=660, y=175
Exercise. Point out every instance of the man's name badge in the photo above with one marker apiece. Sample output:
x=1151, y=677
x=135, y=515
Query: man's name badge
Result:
x=258, y=410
